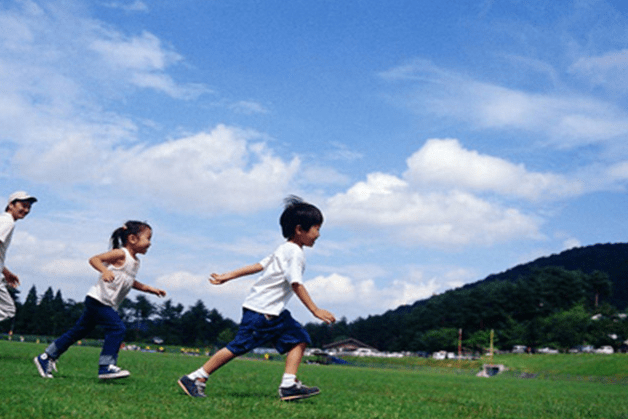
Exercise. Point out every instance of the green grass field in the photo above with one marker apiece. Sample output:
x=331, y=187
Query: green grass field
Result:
x=248, y=388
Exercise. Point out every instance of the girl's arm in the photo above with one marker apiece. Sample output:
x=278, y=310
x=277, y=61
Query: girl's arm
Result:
x=113, y=257
x=218, y=279
x=304, y=296
x=147, y=288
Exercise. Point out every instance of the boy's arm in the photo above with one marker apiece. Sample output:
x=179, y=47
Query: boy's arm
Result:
x=304, y=296
x=147, y=288
x=218, y=279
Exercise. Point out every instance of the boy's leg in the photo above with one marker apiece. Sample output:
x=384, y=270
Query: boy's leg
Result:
x=291, y=388
x=296, y=338
x=194, y=383
x=217, y=360
x=294, y=357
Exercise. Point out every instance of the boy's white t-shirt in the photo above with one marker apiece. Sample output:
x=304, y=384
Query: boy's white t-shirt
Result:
x=113, y=293
x=272, y=291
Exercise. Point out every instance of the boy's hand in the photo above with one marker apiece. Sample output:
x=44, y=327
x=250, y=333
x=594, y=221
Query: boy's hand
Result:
x=325, y=316
x=218, y=279
x=160, y=293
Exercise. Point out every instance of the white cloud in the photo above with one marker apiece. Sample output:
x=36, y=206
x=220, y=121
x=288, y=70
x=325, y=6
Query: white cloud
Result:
x=224, y=169
x=55, y=63
x=68, y=268
x=566, y=120
x=129, y=6
x=571, y=243
x=248, y=107
x=319, y=176
x=446, y=163
x=345, y=296
x=142, y=61
x=609, y=70
x=618, y=171
x=143, y=52
x=440, y=219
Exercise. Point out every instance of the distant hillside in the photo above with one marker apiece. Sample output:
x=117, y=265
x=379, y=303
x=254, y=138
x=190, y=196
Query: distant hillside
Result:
x=611, y=259
x=515, y=303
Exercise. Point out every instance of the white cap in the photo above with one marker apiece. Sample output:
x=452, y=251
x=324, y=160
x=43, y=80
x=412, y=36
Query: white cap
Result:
x=21, y=196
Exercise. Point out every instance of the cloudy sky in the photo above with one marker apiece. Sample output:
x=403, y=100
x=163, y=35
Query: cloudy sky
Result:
x=443, y=143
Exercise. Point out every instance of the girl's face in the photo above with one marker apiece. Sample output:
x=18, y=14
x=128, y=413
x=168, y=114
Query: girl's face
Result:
x=141, y=242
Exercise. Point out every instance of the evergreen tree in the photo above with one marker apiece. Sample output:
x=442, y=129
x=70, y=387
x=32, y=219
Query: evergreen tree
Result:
x=44, y=315
x=194, y=325
x=25, y=318
x=600, y=285
x=169, y=324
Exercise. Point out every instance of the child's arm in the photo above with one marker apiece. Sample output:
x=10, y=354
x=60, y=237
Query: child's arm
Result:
x=218, y=279
x=112, y=257
x=304, y=296
x=10, y=277
x=147, y=288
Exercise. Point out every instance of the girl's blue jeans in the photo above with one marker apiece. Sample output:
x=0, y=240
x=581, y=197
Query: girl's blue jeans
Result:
x=95, y=314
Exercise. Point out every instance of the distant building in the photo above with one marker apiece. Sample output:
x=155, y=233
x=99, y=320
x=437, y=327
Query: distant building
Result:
x=347, y=345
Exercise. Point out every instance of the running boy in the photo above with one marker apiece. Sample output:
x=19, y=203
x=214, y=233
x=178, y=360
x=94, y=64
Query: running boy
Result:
x=264, y=317
x=18, y=207
x=118, y=268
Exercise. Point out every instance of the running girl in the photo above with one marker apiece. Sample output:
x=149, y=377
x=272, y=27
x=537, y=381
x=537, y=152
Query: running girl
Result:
x=118, y=268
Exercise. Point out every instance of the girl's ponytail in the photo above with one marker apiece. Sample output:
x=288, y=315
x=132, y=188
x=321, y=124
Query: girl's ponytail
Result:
x=120, y=236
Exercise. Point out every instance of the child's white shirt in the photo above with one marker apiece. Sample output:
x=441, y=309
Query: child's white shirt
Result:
x=113, y=293
x=7, y=223
x=272, y=291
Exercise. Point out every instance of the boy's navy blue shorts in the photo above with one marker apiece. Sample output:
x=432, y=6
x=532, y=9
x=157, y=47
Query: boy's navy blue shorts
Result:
x=256, y=329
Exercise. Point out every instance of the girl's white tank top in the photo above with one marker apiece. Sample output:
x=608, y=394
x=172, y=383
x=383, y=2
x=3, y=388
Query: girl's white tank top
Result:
x=113, y=293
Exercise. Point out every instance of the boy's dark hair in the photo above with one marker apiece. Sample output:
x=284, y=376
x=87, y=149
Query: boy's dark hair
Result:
x=121, y=235
x=298, y=212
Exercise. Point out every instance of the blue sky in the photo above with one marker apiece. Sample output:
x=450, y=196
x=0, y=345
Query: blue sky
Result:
x=443, y=143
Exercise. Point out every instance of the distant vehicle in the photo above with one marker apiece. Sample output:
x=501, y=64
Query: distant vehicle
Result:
x=439, y=355
x=519, y=349
x=605, y=350
x=587, y=349
x=364, y=352
x=547, y=350
x=324, y=358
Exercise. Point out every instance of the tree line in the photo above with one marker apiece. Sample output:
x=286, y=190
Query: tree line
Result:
x=51, y=316
x=564, y=300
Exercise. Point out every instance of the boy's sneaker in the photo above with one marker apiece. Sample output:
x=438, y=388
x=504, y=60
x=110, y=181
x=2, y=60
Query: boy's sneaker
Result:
x=108, y=372
x=45, y=365
x=297, y=391
x=193, y=388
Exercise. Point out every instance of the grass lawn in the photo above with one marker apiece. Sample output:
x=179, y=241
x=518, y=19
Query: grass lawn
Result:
x=247, y=388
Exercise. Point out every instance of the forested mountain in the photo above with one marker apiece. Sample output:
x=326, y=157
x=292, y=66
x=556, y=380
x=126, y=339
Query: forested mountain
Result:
x=611, y=259
x=549, y=301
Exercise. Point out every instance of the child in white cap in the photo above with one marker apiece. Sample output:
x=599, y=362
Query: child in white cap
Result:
x=18, y=207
